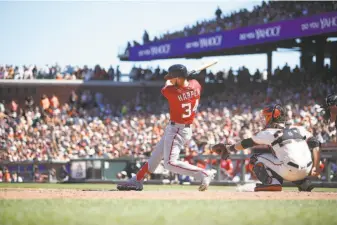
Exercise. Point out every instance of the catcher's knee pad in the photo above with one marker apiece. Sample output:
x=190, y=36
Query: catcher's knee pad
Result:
x=262, y=173
x=253, y=159
x=276, y=176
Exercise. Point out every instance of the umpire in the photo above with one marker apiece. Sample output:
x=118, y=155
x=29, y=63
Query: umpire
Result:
x=330, y=109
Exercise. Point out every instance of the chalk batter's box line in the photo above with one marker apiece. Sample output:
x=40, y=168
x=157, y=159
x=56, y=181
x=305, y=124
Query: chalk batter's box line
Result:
x=99, y=190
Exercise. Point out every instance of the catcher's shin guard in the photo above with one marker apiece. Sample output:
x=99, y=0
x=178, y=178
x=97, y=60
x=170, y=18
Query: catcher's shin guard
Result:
x=262, y=174
x=269, y=183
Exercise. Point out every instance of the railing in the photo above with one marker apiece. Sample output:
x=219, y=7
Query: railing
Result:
x=106, y=170
x=124, y=81
x=36, y=171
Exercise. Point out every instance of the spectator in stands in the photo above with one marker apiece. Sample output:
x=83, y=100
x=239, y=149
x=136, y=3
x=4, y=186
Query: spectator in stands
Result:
x=122, y=175
x=118, y=74
x=230, y=77
x=97, y=73
x=146, y=38
x=2, y=72
x=39, y=177
x=111, y=73
x=16, y=178
x=45, y=104
x=227, y=168
x=218, y=13
x=29, y=103
x=2, y=107
x=73, y=99
x=54, y=105
x=157, y=72
x=13, y=109
x=7, y=176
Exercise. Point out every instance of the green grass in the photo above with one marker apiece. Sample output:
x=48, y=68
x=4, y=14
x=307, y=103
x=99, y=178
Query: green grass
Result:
x=159, y=212
x=146, y=212
x=146, y=187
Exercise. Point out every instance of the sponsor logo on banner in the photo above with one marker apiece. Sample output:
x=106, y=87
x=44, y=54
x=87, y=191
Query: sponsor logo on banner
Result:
x=322, y=23
x=78, y=170
x=155, y=50
x=268, y=32
x=206, y=42
x=261, y=33
x=328, y=22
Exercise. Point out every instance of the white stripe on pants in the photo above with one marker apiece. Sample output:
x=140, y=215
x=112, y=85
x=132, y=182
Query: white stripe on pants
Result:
x=169, y=147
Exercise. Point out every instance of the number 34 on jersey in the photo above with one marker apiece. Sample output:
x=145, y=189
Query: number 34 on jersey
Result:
x=189, y=108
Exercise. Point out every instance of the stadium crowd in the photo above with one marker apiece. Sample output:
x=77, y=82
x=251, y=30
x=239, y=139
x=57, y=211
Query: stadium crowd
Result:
x=85, y=127
x=267, y=12
x=242, y=75
x=59, y=73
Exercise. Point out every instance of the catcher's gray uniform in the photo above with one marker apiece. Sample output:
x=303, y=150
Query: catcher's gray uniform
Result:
x=291, y=158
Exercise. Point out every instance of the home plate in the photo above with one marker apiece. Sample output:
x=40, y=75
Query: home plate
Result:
x=246, y=187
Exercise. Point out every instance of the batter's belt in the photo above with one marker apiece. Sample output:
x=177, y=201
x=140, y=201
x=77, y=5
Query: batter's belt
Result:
x=174, y=123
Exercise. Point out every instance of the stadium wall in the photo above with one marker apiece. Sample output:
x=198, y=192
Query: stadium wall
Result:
x=99, y=170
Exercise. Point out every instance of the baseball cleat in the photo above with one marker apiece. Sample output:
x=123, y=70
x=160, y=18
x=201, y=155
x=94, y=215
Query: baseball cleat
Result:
x=268, y=187
x=304, y=185
x=206, y=180
x=131, y=185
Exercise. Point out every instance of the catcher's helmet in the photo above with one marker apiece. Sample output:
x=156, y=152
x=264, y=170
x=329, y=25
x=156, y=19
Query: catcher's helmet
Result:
x=274, y=114
x=176, y=70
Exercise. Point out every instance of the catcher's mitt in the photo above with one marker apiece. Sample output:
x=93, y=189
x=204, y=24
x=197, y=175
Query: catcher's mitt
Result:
x=222, y=150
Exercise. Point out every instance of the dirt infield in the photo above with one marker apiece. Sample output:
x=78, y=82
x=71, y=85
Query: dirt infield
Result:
x=24, y=193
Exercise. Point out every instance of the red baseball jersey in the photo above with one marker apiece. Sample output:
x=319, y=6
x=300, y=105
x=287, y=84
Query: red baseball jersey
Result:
x=183, y=101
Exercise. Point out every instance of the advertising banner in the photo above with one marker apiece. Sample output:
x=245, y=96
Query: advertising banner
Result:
x=271, y=32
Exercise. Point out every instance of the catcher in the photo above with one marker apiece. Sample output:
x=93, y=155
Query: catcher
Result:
x=291, y=158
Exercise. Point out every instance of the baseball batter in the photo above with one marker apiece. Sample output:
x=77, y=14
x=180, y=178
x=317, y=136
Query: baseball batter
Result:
x=183, y=97
x=291, y=159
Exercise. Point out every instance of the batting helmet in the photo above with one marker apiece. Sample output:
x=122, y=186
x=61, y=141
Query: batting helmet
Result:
x=176, y=70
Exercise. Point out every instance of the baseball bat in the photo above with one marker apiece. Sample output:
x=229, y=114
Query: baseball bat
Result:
x=205, y=66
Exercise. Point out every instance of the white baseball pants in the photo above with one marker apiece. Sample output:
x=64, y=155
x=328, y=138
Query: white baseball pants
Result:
x=169, y=147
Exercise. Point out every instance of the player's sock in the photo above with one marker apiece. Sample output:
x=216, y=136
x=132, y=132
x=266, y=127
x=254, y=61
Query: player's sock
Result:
x=142, y=172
